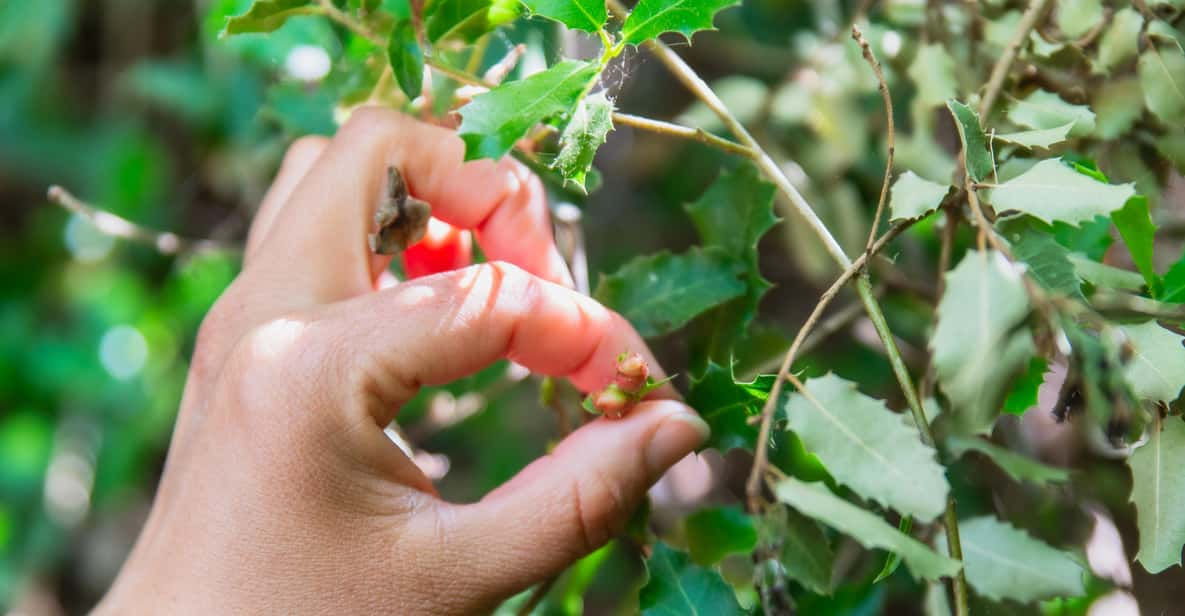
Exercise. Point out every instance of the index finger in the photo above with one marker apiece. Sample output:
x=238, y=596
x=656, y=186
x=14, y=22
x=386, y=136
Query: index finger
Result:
x=320, y=242
x=436, y=329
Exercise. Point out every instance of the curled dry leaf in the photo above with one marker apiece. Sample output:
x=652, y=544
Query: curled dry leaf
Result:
x=401, y=218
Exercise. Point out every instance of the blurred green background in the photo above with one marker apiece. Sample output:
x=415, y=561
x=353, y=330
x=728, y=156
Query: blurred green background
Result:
x=139, y=108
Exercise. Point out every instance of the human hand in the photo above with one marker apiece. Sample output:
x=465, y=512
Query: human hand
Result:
x=282, y=494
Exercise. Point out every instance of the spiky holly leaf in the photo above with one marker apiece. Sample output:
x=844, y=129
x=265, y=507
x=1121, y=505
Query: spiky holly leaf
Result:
x=495, y=120
x=266, y=16
x=806, y=555
x=1157, y=367
x=1158, y=491
x=1003, y=562
x=716, y=532
x=1038, y=137
x=733, y=214
x=1172, y=287
x=1018, y=466
x=1048, y=262
x=980, y=341
x=1052, y=191
x=978, y=159
x=1138, y=231
x=587, y=15
x=661, y=293
x=675, y=585
x=869, y=530
x=466, y=20
x=1162, y=77
x=1044, y=110
x=406, y=59
x=914, y=197
x=1024, y=391
x=867, y=447
x=651, y=18
x=590, y=123
x=727, y=406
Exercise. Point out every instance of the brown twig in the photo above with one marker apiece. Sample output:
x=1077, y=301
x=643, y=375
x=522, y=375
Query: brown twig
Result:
x=1004, y=64
x=760, y=456
x=883, y=86
x=164, y=242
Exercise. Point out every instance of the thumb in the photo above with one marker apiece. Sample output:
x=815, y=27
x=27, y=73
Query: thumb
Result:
x=574, y=500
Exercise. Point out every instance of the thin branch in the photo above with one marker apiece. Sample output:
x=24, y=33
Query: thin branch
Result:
x=760, y=456
x=684, y=132
x=883, y=86
x=693, y=82
x=332, y=12
x=164, y=242
x=1004, y=63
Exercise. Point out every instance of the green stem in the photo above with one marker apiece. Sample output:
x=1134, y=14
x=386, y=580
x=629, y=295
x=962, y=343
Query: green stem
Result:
x=697, y=86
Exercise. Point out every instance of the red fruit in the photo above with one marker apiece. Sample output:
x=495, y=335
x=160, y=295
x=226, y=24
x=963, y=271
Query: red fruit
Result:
x=443, y=248
x=612, y=402
x=631, y=372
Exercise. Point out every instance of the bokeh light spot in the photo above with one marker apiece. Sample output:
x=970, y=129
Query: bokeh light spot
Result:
x=123, y=351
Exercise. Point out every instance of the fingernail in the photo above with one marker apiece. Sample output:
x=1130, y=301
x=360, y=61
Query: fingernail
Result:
x=678, y=435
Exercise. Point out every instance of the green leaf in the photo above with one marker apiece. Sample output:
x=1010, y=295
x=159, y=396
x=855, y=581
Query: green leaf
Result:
x=893, y=561
x=495, y=120
x=727, y=405
x=1043, y=110
x=1157, y=367
x=975, y=147
x=1004, y=562
x=806, y=553
x=661, y=293
x=1162, y=77
x=651, y=18
x=1120, y=42
x=913, y=197
x=675, y=585
x=1024, y=392
x=591, y=122
x=733, y=214
x=1171, y=146
x=1173, y=284
x=717, y=532
x=467, y=20
x=1037, y=138
x=1018, y=466
x=867, y=447
x=1051, y=191
x=1076, y=17
x=933, y=71
x=266, y=16
x=1158, y=492
x=1048, y=262
x=980, y=341
x=1119, y=103
x=1106, y=276
x=587, y=15
x=406, y=58
x=1136, y=227
x=816, y=501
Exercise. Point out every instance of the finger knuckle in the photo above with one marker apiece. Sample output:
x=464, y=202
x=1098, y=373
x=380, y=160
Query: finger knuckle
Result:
x=305, y=148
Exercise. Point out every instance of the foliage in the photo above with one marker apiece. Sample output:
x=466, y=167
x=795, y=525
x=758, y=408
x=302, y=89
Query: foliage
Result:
x=1033, y=201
